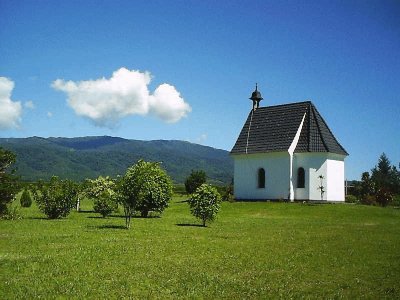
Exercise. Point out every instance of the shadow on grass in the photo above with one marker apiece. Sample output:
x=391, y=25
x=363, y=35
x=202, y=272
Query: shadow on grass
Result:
x=39, y=218
x=190, y=225
x=96, y=217
x=112, y=227
x=86, y=211
x=136, y=217
x=106, y=226
x=183, y=201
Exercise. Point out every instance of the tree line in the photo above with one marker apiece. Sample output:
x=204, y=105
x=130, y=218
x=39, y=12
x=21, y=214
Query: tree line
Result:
x=380, y=186
x=145, y=188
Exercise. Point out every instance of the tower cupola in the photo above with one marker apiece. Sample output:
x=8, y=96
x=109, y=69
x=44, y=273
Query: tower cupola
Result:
x=256, y=98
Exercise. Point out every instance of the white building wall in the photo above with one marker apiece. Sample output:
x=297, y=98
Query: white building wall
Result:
x=276, y=166
x=335, y=178
x=314, y=165
x=330, y=166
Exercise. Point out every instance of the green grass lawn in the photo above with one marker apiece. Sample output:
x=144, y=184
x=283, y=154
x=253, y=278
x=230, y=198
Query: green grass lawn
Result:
x=253, y=250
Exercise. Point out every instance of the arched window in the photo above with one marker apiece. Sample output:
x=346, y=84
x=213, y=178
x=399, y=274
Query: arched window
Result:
x=261, y=178
x=300, y=178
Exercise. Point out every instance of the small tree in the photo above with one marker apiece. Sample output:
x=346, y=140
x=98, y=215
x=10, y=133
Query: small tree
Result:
x=195, y=179
x=145, y=187
x=56, y=198
x=205, y=203
x=8, y=181
x=26, y=200
x=101, y=190
x=105, y=204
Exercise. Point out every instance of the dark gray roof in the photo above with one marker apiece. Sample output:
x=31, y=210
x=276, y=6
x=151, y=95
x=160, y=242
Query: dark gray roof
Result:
x=273, y=129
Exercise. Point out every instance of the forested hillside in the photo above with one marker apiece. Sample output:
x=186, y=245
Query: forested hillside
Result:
x=89, y=157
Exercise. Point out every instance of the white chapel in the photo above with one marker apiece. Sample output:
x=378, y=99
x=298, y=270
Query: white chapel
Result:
x=287, y=152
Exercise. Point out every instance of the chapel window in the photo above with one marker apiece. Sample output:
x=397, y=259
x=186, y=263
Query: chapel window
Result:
x=261, y=178
x=301, y=178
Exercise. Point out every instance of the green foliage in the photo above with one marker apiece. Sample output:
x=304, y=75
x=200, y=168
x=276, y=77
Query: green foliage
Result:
x=56, y=198
x=90, y=157
x=385, y=176
x=351, y=199
x=195, y=180
x=26, y=200
x=383, y=197
x=102, y=191
x=205, y=203
x=8, y=182
x=366, y=186
x=382, y=185
x=228, y=194
x=396, y=200
x=145, y=187
x=94, y=188
x=105, y=204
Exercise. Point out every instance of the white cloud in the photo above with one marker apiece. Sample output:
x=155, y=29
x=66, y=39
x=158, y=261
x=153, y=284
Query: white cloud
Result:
x=29, y=104
x=49, y=114
x=202, y=138
x=106, y=101
x=10, y=111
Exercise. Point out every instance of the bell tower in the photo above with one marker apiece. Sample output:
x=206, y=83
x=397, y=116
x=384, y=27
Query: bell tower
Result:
x=256, y=98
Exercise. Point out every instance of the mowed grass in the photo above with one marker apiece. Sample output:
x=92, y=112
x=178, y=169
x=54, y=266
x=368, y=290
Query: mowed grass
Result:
x=253, y=250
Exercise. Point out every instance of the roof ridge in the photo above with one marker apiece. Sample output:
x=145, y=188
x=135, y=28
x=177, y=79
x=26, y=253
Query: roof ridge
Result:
x=286, y=104
x=330, y=131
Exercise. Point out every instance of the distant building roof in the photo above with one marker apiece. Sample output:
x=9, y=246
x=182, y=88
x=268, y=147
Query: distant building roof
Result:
x=273, y=128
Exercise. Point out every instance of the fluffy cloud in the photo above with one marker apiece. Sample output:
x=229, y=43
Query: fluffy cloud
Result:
x=106, y=101
x=10, y=111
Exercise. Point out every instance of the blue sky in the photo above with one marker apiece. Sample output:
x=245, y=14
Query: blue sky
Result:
x=202, y=60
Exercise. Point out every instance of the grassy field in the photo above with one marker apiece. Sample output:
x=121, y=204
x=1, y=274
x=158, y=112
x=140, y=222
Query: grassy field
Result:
x=253, y=250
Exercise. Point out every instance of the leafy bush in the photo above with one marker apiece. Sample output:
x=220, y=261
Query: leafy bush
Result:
x=396, y=200
x=195, y=179
x=26, y=200
x=145, y=187
x=205, y=203
x=228, y=194
x=351, y=199
x=383, y=197
x=56, y=198
x=11, y=214
x=368, y=200
x=105, y=204
x=102, y=191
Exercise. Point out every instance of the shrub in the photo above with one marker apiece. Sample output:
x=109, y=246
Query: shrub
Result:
x=26, y=200
x=57, y=198
x=11, y=214
x=205, y=203
x=195, y=179
x=383, y=197
x=102, y=191
x=105, y=204
x=228, y=194
x=145, y=187
x=396, y=200
x=368, y=200
x=351, y=199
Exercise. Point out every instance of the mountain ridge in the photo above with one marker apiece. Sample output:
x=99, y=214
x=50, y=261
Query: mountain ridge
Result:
x=91, y=156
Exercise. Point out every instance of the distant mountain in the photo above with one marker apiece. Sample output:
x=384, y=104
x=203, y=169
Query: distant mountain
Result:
x=89, y=157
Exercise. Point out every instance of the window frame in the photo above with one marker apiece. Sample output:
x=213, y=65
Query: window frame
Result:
x=261, y=178
x=301, y=178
